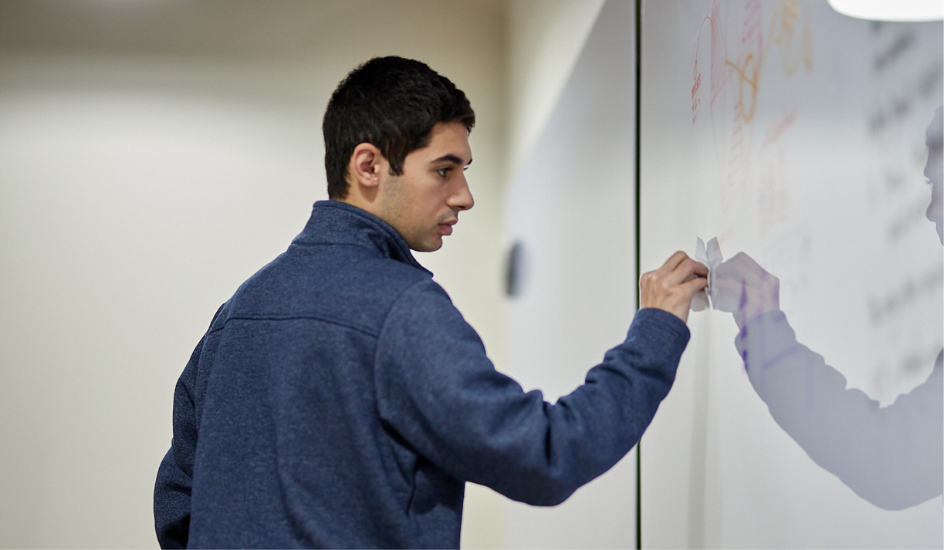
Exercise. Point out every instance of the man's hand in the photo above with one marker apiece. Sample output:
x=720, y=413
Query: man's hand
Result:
x=670, y=288
x=743, y=288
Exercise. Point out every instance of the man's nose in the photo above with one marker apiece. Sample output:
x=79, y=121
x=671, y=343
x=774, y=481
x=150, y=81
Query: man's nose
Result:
x=934, y=211
x=462, y=197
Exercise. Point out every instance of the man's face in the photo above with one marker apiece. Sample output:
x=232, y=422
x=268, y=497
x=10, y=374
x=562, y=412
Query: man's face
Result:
x=934, y=170
x=424, y=202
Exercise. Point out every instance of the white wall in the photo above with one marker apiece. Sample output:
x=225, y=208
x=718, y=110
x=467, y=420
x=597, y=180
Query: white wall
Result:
x=545, y=37
x=570, y=207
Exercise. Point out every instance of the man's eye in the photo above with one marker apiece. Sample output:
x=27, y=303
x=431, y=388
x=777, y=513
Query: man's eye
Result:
x=442, y=172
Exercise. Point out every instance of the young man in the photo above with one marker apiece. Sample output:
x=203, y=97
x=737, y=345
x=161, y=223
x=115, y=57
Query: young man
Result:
x=339, y=399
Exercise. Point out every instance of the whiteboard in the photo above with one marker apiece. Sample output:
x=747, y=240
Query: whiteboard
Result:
x=797, y=136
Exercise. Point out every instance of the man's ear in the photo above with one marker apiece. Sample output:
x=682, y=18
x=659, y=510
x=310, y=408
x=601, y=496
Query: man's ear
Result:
x=366, y=166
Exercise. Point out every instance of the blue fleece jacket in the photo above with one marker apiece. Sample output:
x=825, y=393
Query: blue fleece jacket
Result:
x=339, y=399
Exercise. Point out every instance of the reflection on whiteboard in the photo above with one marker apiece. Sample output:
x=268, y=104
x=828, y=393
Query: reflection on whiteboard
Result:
x=891, y=456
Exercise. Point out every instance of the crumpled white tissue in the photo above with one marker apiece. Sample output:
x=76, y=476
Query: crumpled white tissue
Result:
x=709, y=255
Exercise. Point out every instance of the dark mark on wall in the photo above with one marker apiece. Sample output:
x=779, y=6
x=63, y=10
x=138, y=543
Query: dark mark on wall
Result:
x=513, y=268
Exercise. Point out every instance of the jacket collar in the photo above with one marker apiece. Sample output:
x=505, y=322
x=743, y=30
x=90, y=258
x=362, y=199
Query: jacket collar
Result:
x=335, y=222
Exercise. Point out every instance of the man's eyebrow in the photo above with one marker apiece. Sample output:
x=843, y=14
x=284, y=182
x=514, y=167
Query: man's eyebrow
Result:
x=451, y=158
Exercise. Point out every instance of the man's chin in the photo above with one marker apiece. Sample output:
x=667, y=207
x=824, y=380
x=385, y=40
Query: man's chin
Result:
x=427, y=247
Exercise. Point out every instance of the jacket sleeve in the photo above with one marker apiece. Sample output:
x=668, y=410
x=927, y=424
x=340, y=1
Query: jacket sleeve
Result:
x=890, y=456
x=175, y=475
x=438, y=390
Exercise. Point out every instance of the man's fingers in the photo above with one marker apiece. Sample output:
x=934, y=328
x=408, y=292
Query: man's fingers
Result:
x=700, y=269
x=679, y=268
x=673, y=262
x=672, y=286
x=694, y=285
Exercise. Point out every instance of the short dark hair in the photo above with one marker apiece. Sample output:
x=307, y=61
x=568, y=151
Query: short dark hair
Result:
x=392, y=103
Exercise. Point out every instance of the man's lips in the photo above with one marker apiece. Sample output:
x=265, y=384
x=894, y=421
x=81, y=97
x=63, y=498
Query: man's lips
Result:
x=446, y=227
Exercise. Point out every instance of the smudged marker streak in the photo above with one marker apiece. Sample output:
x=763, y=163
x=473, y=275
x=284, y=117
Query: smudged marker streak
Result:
x=718, y=73
x=737, y=170
x=783, y=32
x=775, y=134
x=695, y=102
x=748, y=71
x=749, y=68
